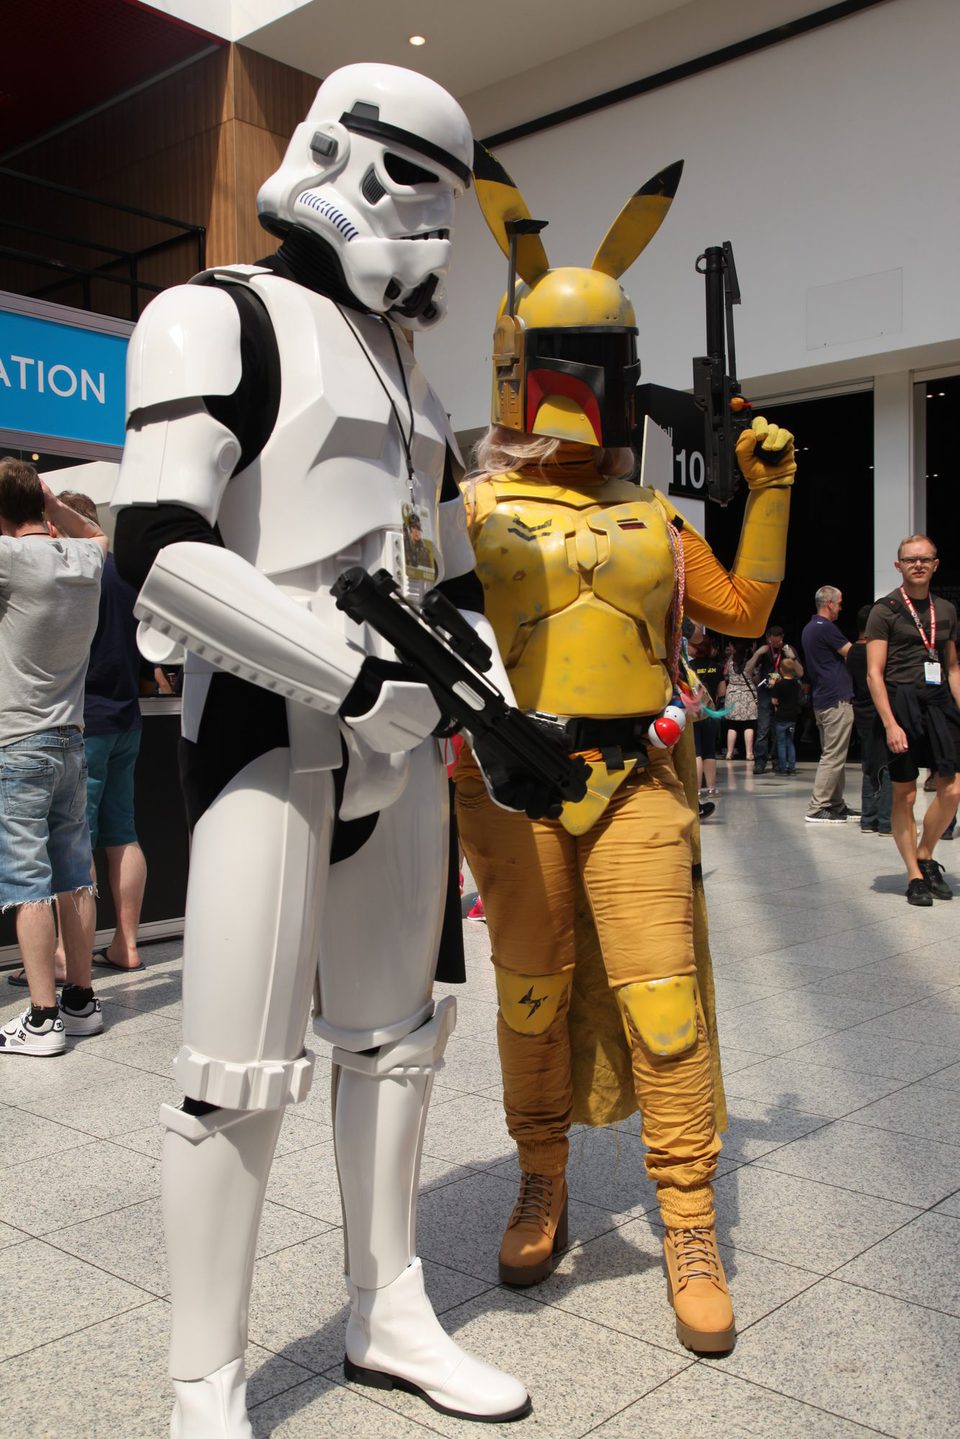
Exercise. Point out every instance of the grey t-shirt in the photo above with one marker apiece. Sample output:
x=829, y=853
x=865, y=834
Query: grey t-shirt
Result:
x=49, y=603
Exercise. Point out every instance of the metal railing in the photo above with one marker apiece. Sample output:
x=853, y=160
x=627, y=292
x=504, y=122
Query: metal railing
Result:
x=28, y=248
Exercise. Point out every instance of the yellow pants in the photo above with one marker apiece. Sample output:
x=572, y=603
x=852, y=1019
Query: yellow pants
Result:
x=634, y=867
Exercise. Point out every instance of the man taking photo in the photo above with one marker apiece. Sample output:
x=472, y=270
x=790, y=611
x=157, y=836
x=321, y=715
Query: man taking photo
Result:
x=49, y=601
x=914, y=679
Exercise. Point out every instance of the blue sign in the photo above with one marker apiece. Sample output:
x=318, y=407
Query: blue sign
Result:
x=61, y=380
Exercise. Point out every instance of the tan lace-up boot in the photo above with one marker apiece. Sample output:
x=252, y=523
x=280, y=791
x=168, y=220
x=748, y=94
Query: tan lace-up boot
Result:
x=537, y=1231
x=697, y=1289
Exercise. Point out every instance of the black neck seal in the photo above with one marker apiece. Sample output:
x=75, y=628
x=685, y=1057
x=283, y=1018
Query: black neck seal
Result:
x=311, y=261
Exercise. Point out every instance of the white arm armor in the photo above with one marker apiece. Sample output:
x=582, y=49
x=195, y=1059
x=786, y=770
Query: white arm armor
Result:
x=186, y=345
x=218, y=606
x=497, y=673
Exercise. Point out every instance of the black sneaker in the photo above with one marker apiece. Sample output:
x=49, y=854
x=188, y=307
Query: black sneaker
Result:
x=918, y=892
x=825, y=816
x=759, y=769
x=707, y=807
x=933, y=874
x=848, y=813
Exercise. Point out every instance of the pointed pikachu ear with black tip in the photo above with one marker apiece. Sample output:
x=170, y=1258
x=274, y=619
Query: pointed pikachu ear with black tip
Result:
x=637, y=223
x=500, y=201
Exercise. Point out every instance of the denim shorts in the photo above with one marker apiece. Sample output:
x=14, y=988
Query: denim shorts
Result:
x=111, y=759
x=44, y=840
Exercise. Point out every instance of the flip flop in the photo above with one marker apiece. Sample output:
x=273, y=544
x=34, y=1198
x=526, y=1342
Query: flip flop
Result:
x=19, y=978
x=101, y=961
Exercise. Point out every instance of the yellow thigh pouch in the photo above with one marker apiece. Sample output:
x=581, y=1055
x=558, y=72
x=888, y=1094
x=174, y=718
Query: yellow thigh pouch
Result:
x=529, y=1003
x=662, y=1013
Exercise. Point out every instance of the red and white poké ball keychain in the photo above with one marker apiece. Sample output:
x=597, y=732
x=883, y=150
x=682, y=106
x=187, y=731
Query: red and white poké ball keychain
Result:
x=667, y=728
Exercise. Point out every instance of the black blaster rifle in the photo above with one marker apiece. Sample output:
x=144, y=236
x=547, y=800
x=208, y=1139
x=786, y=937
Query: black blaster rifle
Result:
x=715, y=385
x=443, y=652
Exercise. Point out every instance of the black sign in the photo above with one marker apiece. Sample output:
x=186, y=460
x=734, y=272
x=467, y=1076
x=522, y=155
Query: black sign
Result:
x=682, y=418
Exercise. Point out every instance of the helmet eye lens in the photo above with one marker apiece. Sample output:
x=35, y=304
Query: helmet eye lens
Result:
x=405, y=172
x=583, y=346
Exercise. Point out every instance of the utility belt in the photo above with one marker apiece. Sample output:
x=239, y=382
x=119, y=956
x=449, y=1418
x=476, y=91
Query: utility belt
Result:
x=615, y=739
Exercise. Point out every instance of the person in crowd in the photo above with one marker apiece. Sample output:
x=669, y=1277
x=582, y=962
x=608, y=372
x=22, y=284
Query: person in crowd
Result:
x=51, y=559
x=111, y=739
x=786, y=698
x=738, y=695
x=914, y=680
x=708, y=667
x=876, y=792
x=825, y=647
x=586, y=577
x=764, y=662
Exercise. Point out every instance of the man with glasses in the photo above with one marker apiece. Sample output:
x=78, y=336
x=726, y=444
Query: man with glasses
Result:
x=825, y=649
x=914, y=679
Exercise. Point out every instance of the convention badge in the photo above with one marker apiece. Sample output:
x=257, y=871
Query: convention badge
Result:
x=419, y=561
x=931, y=672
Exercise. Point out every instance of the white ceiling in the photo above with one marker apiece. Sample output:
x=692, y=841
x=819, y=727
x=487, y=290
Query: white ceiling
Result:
x=470, y=46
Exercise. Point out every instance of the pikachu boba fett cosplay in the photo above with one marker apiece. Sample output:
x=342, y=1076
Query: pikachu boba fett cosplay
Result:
x=587, y=575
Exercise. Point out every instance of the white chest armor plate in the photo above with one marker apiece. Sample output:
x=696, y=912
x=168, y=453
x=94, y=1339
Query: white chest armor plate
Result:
x=331, y=483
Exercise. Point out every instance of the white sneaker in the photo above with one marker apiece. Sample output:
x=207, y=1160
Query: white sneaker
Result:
x=395, y=1341
x=81, y=1022
x=20, y=1036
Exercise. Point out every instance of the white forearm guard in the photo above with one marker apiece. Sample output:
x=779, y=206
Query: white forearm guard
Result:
x=218, y=606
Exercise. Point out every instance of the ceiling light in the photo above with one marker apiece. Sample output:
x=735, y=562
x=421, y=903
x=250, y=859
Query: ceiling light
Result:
x=416, y=39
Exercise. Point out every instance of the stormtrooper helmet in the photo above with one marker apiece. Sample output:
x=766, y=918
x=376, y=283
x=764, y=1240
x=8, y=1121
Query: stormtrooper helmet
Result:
x=374, y=170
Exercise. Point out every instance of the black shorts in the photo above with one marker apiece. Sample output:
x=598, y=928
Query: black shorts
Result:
x=904, y=768
x=705, y=733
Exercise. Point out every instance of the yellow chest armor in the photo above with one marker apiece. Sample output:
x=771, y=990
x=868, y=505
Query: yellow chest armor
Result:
x=578, y=585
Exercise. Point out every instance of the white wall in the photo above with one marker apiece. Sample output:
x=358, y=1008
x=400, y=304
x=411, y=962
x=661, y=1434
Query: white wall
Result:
x=829, y=161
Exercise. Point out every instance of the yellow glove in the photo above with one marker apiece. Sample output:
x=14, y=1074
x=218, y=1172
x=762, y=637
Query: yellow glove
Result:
x=763, y=438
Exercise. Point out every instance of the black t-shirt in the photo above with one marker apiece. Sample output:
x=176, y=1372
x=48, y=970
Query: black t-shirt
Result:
x=789, y=698
x=890, y=620
x=710, y=673
x=111, y=702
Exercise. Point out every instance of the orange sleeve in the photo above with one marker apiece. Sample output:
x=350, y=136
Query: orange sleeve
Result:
x=722, y=601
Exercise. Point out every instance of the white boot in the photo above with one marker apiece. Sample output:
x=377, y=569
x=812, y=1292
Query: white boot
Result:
x=394, y=1340
x=212, y=1408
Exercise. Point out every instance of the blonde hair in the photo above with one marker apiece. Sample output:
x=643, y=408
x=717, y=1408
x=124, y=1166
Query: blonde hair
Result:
x=501, y=449
x=913, y=540
x=788, y=669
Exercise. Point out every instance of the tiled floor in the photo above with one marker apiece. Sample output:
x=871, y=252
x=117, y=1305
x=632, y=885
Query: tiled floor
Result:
x=838, y=1195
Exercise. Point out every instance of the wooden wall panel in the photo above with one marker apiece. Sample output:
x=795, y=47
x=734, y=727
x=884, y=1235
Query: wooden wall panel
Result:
x=196, y=146
x=268, y=95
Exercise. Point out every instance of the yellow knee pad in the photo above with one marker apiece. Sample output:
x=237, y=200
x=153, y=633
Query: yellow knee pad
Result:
x=530, y=1003
x=661, y=1012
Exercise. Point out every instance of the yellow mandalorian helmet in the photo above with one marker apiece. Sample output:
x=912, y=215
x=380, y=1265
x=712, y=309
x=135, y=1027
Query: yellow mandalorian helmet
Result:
x=564, y=349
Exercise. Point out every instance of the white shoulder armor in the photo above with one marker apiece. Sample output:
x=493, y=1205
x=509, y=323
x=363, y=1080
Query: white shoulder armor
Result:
x=186, y=344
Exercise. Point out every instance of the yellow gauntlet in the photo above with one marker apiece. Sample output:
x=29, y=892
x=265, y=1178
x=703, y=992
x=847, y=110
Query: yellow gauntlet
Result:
x=761, y=554
x=762, y=439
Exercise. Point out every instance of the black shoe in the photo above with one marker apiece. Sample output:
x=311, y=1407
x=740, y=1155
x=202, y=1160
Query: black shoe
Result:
x=918, y=892
x=707, y=807
x=933, y=874
x=870, y=828
x=759, y=768
x=848, y=813
x=825, y=816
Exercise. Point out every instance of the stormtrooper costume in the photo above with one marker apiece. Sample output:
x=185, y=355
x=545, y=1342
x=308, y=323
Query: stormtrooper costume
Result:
x=279, y=432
